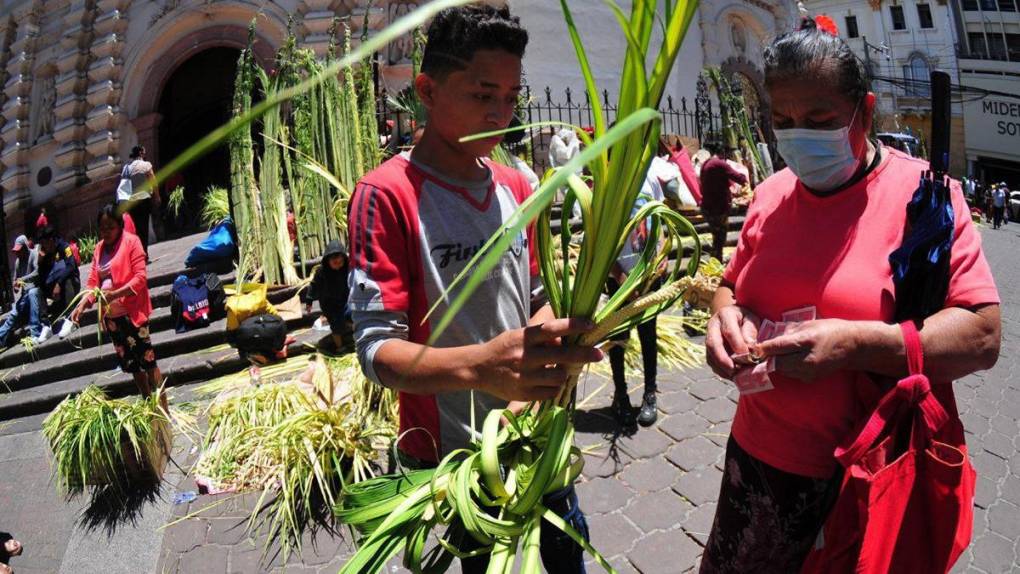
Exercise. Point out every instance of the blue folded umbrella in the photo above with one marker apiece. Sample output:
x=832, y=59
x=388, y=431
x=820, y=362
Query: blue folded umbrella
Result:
x=921, y=264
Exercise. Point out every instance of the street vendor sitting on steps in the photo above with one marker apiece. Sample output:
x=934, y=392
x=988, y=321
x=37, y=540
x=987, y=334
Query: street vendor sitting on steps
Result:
x=415, y=223
x=329, y=288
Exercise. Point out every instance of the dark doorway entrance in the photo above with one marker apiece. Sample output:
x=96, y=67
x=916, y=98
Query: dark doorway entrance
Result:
x=993, y=170
x=195, y=100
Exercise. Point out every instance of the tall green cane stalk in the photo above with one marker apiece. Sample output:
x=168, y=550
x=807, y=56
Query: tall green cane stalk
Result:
x=245, y=199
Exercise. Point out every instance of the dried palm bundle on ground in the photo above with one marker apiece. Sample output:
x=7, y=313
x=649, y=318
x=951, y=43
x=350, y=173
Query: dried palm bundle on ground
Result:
x=316, y=426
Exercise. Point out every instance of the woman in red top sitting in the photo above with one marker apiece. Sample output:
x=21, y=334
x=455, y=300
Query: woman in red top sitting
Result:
x=119, y=270
x=814, y=255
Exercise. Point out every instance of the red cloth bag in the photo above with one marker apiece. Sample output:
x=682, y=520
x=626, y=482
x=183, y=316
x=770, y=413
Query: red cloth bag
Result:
x=906, y=503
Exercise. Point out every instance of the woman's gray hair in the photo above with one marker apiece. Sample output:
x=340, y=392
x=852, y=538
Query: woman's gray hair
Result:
x=795, y=55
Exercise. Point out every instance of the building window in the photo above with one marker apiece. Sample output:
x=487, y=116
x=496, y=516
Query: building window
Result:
x=851, y=27
x=996, y=47
x=898, y=21
x=978, y=48
x=988, y=5
x=917, y=77
x=1007, y=6
x=1013, y=46
x=970, y=5
x=924, y=16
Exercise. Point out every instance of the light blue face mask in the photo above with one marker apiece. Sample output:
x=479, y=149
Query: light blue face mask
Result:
x=822, y=159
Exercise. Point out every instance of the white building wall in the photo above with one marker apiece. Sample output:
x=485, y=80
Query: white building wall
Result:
x=993, y=121
x=551, y=61
x=710, y=41
x=895, y=48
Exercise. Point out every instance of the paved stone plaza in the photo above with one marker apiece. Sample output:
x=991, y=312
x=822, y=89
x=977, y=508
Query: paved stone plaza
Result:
x=649, y=498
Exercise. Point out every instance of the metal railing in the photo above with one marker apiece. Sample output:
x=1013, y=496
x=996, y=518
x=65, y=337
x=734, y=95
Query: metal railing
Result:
x=678, y=118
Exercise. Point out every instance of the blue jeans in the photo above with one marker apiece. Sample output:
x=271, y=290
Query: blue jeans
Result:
x=28, y=307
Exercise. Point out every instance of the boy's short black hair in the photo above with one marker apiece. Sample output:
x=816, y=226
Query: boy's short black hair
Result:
x=455, y=34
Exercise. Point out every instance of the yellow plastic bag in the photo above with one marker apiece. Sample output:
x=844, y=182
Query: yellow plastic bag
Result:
x=250, y=300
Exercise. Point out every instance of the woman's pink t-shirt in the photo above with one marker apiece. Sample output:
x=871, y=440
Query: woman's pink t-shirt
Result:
x=797, y=249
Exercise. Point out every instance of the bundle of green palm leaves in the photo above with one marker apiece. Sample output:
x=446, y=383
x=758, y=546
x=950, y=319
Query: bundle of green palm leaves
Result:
x=98, y=440
x=492, y=492
x=87, y=246
x=215, y=206
x=175, y=201
x=298, y=440
x=313, y=152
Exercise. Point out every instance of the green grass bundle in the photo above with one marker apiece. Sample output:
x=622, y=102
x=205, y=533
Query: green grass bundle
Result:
x=215, y=206
x=316, y=452
x=238, y=427
x=87, y=246
x=492, y=491
x=175, y=201
x=98, y=440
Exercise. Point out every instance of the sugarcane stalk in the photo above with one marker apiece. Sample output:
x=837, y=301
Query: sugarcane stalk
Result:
x=245, y=200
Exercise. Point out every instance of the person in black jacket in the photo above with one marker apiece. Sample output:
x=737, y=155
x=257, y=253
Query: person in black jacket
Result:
x=329, y=288
x=59, y=279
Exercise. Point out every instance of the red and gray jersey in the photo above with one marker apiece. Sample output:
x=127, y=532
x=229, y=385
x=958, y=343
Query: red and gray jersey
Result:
x=412, y=231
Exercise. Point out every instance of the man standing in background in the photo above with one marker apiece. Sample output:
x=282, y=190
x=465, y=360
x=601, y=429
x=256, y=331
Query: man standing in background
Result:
x=998, y=205
x=716, y=177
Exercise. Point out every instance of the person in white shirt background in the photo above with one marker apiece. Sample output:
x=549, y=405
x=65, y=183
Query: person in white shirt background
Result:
x=998, y=205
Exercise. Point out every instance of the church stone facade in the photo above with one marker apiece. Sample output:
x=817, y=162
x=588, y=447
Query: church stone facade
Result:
x=85, y=80
x=82, y=81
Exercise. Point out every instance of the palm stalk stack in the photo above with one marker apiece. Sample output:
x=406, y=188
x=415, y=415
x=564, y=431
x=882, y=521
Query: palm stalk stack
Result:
x=245, y=202
x=492, y=491
x=315, y=147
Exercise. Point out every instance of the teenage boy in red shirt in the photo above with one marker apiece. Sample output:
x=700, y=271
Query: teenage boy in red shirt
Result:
x=415, y=223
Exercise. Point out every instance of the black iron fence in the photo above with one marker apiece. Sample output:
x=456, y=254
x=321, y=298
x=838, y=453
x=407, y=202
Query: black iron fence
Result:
x=694, y=120
x=678, y=118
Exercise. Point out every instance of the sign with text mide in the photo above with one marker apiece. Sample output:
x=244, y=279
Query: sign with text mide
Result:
x=993, y=127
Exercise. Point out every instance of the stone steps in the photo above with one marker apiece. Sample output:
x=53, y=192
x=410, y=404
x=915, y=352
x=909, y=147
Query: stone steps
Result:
x=37, y=381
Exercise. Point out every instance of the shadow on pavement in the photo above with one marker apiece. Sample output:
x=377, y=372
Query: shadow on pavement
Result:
x=601, y=421
x=111, y=506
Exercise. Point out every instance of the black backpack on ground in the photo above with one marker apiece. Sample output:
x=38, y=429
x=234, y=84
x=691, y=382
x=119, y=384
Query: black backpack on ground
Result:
x=260, y=335
x=217, y=296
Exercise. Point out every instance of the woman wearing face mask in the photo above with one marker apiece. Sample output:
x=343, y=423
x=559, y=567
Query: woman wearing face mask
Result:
x=818, y=235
